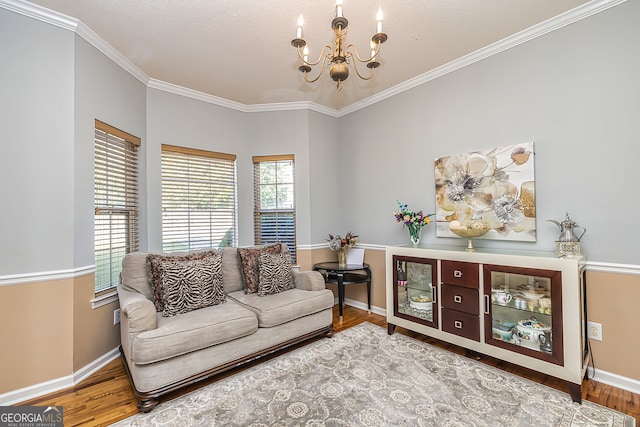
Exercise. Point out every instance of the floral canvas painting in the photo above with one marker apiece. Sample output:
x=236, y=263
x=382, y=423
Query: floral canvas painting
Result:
x=487, y=194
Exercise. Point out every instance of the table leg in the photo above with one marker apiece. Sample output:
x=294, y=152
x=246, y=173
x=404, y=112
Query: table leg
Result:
x=340, y=293
x=368, y=290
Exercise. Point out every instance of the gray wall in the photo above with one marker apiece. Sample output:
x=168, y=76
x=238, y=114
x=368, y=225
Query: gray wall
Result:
x=177, y=120
x=325, y=175
x=272, y=133
x=575, y=92
x=37, y=146
x=106, y=92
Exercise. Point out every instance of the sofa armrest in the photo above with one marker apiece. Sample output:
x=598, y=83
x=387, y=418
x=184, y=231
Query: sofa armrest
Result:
x=138, y=311
x=308, y=280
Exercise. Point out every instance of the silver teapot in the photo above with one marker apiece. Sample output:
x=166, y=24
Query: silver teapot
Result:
x=567, y=228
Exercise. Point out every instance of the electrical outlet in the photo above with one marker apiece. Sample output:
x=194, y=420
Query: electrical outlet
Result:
x=594, y=330
x=116, y=316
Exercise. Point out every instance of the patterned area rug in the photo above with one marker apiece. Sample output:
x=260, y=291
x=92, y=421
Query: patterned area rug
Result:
x=364, y=377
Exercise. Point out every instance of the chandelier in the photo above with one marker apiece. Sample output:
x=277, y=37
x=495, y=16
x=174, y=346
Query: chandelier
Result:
x=341, y=54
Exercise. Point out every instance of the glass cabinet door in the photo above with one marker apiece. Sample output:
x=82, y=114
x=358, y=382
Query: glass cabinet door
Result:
x=415, y=292
x=523, y=311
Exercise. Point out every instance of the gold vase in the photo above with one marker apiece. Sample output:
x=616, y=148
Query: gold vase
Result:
x=342, y=256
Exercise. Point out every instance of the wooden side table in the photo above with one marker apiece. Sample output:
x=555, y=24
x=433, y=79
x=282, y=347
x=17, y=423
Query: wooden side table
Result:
x=341, y=276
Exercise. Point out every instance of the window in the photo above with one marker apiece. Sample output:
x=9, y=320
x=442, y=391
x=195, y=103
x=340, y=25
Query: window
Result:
x=274, y=211
x=116, y=202
x=198, y=199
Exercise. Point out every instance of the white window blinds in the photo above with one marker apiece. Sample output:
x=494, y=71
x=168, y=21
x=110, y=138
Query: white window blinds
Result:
x=198, y=199
x=274, y=210
x=116, y=202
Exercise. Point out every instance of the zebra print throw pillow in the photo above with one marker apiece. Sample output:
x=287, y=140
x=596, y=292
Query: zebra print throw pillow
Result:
x=155, y=276
x=274, y=273
x=249, y=261
x=190, y=285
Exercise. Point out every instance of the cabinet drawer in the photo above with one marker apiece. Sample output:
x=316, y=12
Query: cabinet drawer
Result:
x=460, y=273
x=461, y=299
x=462, y=324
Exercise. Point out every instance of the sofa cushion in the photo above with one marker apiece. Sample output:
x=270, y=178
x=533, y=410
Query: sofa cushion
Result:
x=249, y=260
x=193, y=331
x=134, y=274
x=190, y=285
x=274, y=273
x=276, y=309
x=154, y=274
x=231, y=275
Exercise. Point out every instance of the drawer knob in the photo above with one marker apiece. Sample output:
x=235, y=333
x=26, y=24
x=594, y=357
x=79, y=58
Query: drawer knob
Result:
x=457, y=324
x=457, y=299
x=457, y=273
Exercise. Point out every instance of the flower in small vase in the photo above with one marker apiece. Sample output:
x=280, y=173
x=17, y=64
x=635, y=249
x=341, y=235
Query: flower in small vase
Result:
x=337, y=242
x=342, y=245
x=414, y=221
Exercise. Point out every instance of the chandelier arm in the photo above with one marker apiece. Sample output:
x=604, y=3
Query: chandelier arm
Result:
x=311, y=64
x=355, y=67
x=324, y=63
x=355, y=50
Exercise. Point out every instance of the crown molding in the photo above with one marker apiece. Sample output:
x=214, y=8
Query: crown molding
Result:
x=99, y=43
x=245, y=108
x=289, y=106
x=194, y=94
x=550, y=25
x=63, y=21
x=40, y=13
x=72, y=24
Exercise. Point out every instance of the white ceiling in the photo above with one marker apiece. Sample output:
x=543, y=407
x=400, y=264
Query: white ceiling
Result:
x=240, y=50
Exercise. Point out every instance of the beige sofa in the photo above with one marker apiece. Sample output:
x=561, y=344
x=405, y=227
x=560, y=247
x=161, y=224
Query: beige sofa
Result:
x=162, y=354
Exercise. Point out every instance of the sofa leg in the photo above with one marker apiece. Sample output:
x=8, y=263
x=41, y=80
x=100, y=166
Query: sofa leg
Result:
x=146, y=405
x=329, y=333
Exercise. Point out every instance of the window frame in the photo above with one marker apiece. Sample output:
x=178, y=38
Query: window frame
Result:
x=173, y=156
x=116, y=161
x=258, y=212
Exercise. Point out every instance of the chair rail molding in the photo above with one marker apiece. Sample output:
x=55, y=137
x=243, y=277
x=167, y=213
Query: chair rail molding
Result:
x=46, y=276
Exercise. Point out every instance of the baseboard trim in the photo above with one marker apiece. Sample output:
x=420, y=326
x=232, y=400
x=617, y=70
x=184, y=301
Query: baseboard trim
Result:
x=52, y=386
x=615, y=380
x=363, y=306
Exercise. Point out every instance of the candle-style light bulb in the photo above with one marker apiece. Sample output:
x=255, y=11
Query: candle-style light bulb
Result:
x=373, y=50
x=305, y=52
x=299, y=30
x=338, y=8
x=379, y=19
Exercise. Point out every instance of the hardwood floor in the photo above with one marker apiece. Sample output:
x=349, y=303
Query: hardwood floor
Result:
x=107, y=397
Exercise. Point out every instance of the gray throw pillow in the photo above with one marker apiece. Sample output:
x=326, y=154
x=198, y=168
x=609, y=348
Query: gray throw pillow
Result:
x=274, y=273
x=191, y=284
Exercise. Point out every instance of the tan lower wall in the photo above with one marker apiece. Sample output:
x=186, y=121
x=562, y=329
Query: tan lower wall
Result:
x=612, y=300
x=357, y=292
x=49, y=331
x=37, y=325
x=94, y=333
